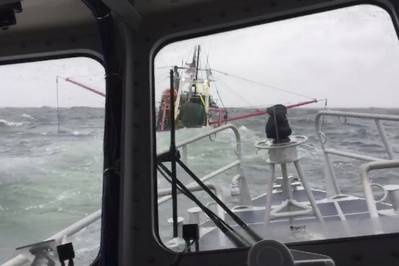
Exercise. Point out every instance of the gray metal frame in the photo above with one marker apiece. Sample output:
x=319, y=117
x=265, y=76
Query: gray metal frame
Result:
x=142, y=36
x=364, y=170
x=377, y=118
x=59, y=237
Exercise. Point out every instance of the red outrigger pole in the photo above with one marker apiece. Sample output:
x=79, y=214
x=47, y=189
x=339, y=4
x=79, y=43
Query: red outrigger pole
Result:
x=258, y=113
x=221, y=111
x=84, y=86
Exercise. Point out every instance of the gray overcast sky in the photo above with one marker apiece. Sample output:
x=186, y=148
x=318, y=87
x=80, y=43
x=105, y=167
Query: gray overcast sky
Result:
x=34, y=84
x=350, y=56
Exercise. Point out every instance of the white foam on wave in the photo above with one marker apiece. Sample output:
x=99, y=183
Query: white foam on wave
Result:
x=4, y=122
x=68, y=194
x=62, y=196
x=243, y=128
x=79, y=133
x=33, y=207
x=28, y=116
x=68, y=133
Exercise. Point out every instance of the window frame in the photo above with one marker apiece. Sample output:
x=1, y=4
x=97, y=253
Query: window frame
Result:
x=171, y=34
x=84, y=53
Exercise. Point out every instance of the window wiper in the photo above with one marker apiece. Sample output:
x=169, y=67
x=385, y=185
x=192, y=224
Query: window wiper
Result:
x=236, y=219
x=230, y=233
x=234, y=216
x=173, y=156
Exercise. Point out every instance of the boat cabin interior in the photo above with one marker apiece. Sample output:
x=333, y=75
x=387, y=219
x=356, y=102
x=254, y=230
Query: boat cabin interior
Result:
x=289, y=222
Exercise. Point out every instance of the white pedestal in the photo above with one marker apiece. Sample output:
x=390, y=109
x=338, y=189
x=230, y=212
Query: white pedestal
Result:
x=282, y=154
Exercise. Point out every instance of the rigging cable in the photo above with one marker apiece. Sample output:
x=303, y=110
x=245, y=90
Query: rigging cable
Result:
x=261, y=84
x=209, y=76
x=218, y=94
x=235, y=93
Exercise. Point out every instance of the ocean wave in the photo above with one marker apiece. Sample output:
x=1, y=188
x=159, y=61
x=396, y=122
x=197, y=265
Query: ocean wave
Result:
x=304, y=120
x=5, y=123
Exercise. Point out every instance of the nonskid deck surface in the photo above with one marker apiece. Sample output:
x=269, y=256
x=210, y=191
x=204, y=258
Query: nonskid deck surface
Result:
x=356, y=222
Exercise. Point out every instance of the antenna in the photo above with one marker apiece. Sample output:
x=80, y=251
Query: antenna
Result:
x=58, y=111
x=197, y=62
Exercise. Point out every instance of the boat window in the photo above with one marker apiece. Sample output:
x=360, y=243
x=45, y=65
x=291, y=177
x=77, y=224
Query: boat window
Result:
x=285, y=131
x=51, y=128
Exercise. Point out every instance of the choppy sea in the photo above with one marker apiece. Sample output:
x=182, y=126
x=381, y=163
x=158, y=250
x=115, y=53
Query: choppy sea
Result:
x=51, y=166
x=50, y=171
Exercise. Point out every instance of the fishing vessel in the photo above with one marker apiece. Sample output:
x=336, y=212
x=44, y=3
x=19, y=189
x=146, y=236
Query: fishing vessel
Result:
x=194, y=104
x=289, y=223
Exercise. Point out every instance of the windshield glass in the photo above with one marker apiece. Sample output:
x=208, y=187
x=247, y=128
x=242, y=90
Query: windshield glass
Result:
x=279, y=121
x=51, y=129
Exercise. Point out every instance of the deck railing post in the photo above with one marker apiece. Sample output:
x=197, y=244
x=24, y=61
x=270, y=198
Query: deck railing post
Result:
x=331, y=173
x=331, y=180
x=244, y=196
x=384, y=139
x=184, y=154
x=371, y=203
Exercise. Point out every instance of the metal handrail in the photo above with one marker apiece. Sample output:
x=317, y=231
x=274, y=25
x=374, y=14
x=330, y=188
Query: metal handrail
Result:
x=326, y=152
x=364, y=170
x=245, y=198
x=210, y=133
x=61, y=236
